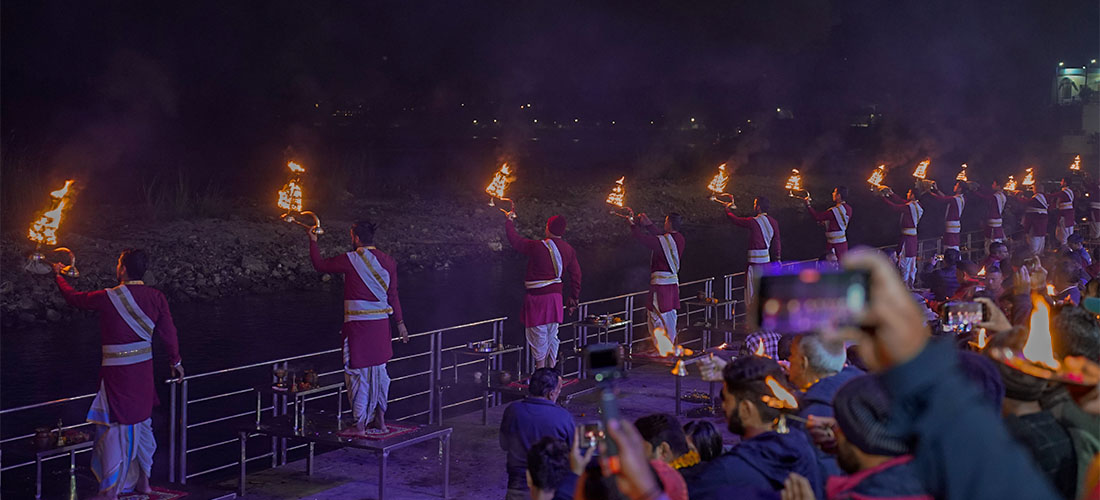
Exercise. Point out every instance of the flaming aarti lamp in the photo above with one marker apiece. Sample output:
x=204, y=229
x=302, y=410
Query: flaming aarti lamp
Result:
x=876, y=179
x=1037, y=356
x=495, y=189
x=717, y=188
x=920, y=174
x=1010, y=185
x=782, y=400
x=44, y=232
x=1029, y=177
x=1076, y=165
x=961, y=176
x=616, y=198
x=290, y=200
x=794, y=186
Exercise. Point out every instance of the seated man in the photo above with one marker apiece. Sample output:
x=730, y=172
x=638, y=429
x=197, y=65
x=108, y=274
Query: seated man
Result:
x=1038, y=430
x=817, y=368
x=877, y=462
x=764, y=458
x=942, y=279
x=527, y=421
x=549, y=473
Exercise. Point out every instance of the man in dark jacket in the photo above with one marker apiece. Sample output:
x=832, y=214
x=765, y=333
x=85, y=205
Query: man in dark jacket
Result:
x=818, y=368
x=764, y=458
x=527, y=421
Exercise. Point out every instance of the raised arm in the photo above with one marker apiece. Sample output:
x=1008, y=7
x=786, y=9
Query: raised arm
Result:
x=329, y=265
x=521, y=244
x=739, y=221
x=166, y=329
x=645, y=237
x=935, y=193
x=896, y=206
x=818, y=216
x=81, y=300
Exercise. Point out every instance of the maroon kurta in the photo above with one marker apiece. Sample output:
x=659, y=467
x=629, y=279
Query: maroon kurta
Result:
x=668, y=296
x=1035, y=214
x=537, y=309
x=1093, y=194
x=369, y=342
x=952, y=217
x=130, y=388
x=756, y=235
x=833, y=226
x=994, y=209
x=908, y=243
x=1064, y=202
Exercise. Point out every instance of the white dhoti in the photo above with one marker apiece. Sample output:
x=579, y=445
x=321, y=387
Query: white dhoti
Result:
x=908, y=268
x=122, y=453
x=368, y=390
x=543, y=342
x=1037, y=243
x=666, y=320
x=754, y=272
x=1062, y=232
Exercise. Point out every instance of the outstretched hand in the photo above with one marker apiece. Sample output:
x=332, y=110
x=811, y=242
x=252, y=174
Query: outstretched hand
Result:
x=312, y=234
x=57, y=268
x=579, y=461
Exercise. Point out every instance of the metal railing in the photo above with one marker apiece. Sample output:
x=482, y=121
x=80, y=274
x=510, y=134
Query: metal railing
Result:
x=230, y=389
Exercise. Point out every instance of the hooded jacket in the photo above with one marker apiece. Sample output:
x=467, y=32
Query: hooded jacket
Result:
x=759, y=464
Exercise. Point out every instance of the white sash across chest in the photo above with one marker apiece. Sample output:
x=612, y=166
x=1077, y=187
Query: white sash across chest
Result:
x=672, y=257
x=377, y=280
x=134, y=352
x=555, y=259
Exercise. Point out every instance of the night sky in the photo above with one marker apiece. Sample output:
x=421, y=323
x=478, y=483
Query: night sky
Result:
x=121, y=84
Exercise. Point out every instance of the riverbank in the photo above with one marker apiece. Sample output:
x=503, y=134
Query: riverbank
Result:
x=250, y=251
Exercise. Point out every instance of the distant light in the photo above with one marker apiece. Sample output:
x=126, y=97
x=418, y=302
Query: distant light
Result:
x=528, y=105
x=536, y=120
x=1092, y=61
x=777, y=110
x=475, y=122
x=317, y=105
x=463, y=105
x=612, y=122
x=651, y=122
x=494, y=120
x=576, y=120
x=693, y=120
x=748, y=121
x=1061, y=64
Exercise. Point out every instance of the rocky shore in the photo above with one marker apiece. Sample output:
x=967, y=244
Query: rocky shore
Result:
x=250, y=251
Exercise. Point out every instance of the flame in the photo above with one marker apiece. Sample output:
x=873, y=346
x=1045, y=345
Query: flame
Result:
x=794, y=182
x=760, y=350
x=662, y=342
x=982, y=272
x=1076, y=165
x=296, y=168
x=617, y=194
x=1029, y=179
x=877, y=176
x=982, y=340
x=780, y=397
x=44, y=230
x=718, y=183
x=1038, y=347
x=500, y=182
x=921, y=171
x=1011, y=184
x=290, y=196
x=962, y=174
x=1050, y=289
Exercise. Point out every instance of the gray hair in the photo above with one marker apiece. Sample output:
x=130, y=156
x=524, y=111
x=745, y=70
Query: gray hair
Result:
x=823, y=357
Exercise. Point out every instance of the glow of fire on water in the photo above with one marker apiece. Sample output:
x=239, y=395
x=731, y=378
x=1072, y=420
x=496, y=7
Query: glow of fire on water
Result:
x=877, y=176
x=1029, y=179
x=44, y=229
x=921, y=172
x=718, y=183
x=500, y=182
x=794, y=182
x=1076, y=165
x=962, y=174
x=780, y=397
x=1038, y=348
x=617, y=194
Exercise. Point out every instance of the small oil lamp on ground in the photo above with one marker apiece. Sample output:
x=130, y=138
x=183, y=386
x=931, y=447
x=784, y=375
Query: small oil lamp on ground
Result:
x=717, y=188
x=290, y=200
x=794, y=186
x=1037, y=356
x=616, y=198
x=500, y=183
x=44, y=232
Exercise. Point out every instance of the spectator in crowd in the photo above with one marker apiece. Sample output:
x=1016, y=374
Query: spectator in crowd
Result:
x=1038, y=430
x=665, y=440
x=527, y=421
x=941, y=277
x=818, y=368
x=549, y=474
x=876, y=460
x=704, y=438
x=764, y=458
x=997, y=258
x=1077, y=252
x=983, y=372
x=770, y=341
x=1067, y=279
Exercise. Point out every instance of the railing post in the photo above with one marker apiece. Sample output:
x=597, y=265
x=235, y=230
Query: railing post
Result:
x=172, y=433
x=183, y=433
x=434, y=378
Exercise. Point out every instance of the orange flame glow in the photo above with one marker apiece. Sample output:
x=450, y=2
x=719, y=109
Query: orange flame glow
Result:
x=780, y=397
x=1029, y=179
x=662, y=342
x=718, y=183
x=1011, y=184
x=921, y=171
x=794, y=182
x=877, y=176
x=961, y=176
x=44, y=229
x=1076, y=165
x=982, y=340
x=290, y=196
x=1038, y=347
x=761, y=350
x=296, y=168
x=617, y=194
x=982, y=272
x=501, y=179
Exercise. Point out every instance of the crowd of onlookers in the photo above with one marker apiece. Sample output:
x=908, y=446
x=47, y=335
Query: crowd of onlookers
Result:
x=896, y=408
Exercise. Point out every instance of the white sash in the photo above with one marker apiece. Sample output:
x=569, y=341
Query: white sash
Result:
x=555, y=258
x=1066, y=205
x=836, y=237
x=127, y=354
x=366, y=310
x=960, y=203
x=371, y=272
x=1042, y=200
x=841, y=217
x=953, y=226
x=915, y=211
x=763, y=255
x=672, y=257
x=1000, y=199
x=994, y=222
x=127, y=307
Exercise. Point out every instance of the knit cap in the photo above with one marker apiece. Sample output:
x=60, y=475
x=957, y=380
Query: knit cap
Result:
x=862, y=410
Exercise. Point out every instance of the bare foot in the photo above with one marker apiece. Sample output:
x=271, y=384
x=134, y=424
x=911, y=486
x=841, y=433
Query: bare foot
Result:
x=379, y=421
x=111, y=494
x=142, y=485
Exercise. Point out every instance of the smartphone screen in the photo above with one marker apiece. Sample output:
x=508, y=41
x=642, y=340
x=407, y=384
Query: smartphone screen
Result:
x=591, y=434
x=810, y=300
x=963, y=316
